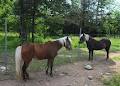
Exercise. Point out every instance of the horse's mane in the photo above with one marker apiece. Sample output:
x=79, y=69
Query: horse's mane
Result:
x=91, y=38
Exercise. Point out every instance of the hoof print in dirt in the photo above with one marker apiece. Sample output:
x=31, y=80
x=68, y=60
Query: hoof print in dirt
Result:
x=88, y=67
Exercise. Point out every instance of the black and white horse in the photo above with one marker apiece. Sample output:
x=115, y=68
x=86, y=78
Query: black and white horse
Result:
x=93, y=44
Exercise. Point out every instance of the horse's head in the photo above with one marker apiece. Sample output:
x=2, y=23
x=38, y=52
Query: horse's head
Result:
x=66, y=42
x=84, y=37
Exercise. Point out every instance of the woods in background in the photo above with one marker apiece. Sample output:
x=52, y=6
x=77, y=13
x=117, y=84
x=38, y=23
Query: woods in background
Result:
x=57, y=17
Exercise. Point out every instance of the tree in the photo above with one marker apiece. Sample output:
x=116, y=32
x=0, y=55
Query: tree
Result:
x=112, y=23
x=6, y=11
x=93, y=12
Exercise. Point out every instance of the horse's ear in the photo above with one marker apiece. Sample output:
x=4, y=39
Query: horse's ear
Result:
x=83, y=34
x=67, y=38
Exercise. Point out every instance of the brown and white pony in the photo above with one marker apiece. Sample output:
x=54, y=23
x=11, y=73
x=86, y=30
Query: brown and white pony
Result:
x=93, y=44
x=26, y=52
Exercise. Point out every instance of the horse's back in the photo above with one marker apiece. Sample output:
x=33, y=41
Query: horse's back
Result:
x=99, y=44
x=106, y=41
x=39, y=51
x=44, y=51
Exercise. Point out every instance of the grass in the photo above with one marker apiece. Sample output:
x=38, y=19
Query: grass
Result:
x=114, y=81
x=115, y=44
x=117, y=58
x=78, y=52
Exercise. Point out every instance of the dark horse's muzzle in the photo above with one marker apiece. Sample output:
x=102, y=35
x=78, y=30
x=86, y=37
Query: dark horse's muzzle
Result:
x=80, y=42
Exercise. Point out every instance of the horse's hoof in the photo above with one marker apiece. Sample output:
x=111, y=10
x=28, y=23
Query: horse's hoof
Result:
x=106, y=59
x=46, y=72
x=51, y=75
x=27, y=76
x=25, y=80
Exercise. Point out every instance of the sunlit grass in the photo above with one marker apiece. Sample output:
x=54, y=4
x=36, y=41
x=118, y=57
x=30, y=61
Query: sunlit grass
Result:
x=115, y=44
x=75, y=42
x=117, y=58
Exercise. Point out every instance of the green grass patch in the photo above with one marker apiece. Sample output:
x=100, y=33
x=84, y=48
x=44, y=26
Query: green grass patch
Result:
x=75, y=42
x=117, y=58
x=115, y=44
x=114, y=81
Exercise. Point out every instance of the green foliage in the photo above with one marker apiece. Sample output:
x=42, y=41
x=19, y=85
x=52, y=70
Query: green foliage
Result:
x=13, y=23
x=114, y=81
x=116, y=58
x=12, y=40
x=6, y=7
x=41, y=28
x=6, y=11
x=111, y=24
x=52, y=15
x=55, y=24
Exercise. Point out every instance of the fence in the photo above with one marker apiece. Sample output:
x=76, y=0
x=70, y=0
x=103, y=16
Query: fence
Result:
x=7, y=65
x=9, y=41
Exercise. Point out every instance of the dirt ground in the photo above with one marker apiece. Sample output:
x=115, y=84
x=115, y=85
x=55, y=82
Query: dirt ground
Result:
x=72, y=74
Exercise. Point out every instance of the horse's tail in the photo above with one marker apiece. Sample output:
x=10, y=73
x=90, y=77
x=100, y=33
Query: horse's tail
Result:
x=19, y=62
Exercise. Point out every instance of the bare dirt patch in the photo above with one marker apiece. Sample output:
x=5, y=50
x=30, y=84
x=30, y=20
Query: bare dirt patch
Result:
x=72, y=74
x=114, y=54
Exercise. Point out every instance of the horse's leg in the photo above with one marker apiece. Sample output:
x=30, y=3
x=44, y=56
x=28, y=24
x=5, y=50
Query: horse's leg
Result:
x=48, y=63
x=51, y=67
x=25, y=74
x=89, y=55
x=107, y=50
x=23, y=70
x=92, y=54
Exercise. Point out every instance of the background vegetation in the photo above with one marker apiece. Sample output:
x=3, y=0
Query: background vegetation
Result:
x=56, y=18
x=59, y=17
